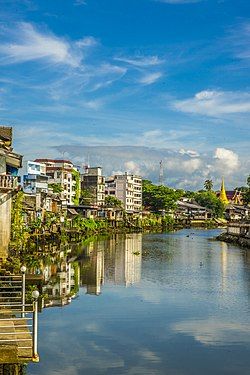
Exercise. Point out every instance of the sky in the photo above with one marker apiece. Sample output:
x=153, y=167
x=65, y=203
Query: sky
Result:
x=127, y=83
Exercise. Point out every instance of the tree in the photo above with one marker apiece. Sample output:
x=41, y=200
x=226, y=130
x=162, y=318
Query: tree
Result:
x=111, y=201
x=208, y=185
x=88, y=197
x=57, y=188
x=248, y=181
x=209, y=200
x=157, y=198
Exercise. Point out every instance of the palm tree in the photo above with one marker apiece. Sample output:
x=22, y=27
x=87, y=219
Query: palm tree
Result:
x=208, y=185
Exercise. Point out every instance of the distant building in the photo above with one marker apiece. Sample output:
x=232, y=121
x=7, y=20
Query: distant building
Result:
x=62, y=173
x=191, y=211
x=128, y=189
x=93, y=182
x=35, y=179
x=230, y=196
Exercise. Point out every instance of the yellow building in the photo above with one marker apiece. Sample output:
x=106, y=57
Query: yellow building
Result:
x=223, y=195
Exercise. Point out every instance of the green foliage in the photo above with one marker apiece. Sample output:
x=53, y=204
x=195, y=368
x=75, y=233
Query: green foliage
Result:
x=245, y=190
x=111, y=201
x=248, y=181
x=209, y=200
x=57, y=188
x=77, y=187
x=88, y=197
x=208, y=185
x=18, y=228
x=158, y=198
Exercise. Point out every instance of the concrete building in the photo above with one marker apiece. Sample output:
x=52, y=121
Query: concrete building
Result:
x=10, y=162
x=62, y=173
x=35, y=179
x=128, y=189
x=93, y=182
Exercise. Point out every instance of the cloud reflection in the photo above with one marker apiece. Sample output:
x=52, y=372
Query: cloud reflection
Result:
x=214, y=331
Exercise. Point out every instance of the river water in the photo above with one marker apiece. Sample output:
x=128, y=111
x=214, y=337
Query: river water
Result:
x=172, y=303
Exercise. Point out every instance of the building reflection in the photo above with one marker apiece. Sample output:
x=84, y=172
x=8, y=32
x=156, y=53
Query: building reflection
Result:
x=61, y=282
x=56, y=274
x=224, y=265
x=12, y=369
x=116, y=260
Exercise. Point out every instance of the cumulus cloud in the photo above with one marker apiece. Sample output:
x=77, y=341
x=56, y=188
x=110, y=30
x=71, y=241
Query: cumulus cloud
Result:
x=30, y=44
x=187, y=166
x=226, y=160
x=132, y=167
x=215, y=103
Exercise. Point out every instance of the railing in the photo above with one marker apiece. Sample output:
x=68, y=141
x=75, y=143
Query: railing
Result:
x=18, y=319
x=8, y=182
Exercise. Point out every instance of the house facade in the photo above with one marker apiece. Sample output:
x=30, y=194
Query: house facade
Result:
x=62, y=173
x=93, y=182
x=10, y=163
x=128, y=189
x=35, y=179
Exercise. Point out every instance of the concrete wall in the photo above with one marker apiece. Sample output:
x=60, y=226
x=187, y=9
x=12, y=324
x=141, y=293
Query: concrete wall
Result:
x=5, y=223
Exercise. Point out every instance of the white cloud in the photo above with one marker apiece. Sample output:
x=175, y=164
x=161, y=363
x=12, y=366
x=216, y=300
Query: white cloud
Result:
x=141, y=61
x=188, y=166
x=93, y=104
x=191, y=153
x=132, y=167
x=88, y=41
x=149, y=79
x=31, y=44
x=226, y=160
x=215, y=103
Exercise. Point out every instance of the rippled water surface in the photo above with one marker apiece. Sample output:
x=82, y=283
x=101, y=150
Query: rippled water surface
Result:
x=175, y=303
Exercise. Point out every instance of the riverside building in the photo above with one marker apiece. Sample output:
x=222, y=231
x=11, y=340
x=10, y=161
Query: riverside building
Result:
x=128, y=189
x=62, y=173
x=93, y=181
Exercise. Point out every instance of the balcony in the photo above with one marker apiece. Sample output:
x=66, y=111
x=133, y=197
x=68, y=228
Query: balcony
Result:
x=8, y=182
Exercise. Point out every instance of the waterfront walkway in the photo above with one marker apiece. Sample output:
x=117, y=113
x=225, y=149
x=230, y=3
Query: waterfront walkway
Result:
x=16, y=322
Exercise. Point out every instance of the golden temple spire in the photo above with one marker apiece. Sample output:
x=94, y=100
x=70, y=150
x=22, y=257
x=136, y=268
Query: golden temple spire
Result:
x=223, y=195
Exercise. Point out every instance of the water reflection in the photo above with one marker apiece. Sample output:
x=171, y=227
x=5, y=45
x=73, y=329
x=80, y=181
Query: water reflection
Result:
x=180, y=317
x=116, y=260
x=12, y=369
x=63, y=269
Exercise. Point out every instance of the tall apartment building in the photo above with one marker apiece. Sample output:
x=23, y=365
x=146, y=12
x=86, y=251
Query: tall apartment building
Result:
x=63, y=173
x=128, y=189
x=93, y=181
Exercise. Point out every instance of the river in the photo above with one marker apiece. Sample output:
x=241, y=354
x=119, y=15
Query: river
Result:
x=172, y=303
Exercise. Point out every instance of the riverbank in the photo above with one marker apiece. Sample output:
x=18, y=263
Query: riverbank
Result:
x=235, y=239
x=237, y=233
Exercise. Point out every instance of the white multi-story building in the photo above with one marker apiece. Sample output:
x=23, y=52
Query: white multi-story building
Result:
x=61, y=172
x=128, y=189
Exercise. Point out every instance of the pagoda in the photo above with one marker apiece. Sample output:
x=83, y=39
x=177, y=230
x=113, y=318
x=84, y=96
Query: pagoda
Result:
x=223, y=195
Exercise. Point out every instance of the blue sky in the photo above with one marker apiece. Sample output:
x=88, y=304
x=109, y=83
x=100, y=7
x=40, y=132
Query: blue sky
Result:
x=127, y=83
